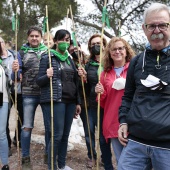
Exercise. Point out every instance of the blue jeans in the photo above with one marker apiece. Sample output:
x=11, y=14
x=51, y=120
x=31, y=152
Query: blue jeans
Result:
x=3, y=137
x=30, y=104
x=143, y=157
x=117, y=148
x=104, y=147
x=63, y=117
x=46, y=125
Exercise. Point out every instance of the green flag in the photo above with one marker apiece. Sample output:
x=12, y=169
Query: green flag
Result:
x=119, y=33
x=74, y=39
x=14, y=23
x=45, y=25
x=105, y=17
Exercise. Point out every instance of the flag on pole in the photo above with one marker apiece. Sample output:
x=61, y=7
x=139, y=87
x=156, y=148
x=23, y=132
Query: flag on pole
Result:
x=105, y=17
x=14, y=23
x=44, y=25
x=74, y=39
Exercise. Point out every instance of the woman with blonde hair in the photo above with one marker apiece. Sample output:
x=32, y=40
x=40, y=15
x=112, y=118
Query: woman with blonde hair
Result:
x=117, y=56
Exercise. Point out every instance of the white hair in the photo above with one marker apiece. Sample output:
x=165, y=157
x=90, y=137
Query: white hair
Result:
x=155, y=7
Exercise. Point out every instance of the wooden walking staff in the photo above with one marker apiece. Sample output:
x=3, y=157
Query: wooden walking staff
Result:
x=51, y=90
x=119, y=28
x=67, y=17
x=104, y=19
x=84, y=94
x=15, y=28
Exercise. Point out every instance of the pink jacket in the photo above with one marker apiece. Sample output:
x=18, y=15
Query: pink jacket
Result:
x=110, y=100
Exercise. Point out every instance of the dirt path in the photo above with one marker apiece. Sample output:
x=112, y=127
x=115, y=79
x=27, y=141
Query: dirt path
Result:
x=76, y=158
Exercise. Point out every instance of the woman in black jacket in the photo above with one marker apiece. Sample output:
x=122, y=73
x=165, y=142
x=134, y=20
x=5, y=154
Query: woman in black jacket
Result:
x=65, y=96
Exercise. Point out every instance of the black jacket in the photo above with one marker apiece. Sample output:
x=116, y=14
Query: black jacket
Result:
x=44, y=82
x=92, y=80
x=147, y=112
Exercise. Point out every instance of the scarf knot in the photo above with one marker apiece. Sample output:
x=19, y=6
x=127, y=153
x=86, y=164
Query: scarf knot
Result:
x=40, y=48
x=61, y=57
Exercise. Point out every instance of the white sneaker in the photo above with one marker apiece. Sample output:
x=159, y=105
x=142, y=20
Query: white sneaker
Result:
x=65, y=168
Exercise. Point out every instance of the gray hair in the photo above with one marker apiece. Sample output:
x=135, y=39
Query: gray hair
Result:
x=155, y=7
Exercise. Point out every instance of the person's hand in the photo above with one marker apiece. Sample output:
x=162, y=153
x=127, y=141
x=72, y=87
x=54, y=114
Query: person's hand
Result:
x=122, y=134
x=20, y=77
x=78, y=111
x=82, y=72
x=99, y=88
x=15, y=66
x=49, y=72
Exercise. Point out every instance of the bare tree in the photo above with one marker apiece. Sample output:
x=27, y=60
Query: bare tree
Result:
x=128, y=12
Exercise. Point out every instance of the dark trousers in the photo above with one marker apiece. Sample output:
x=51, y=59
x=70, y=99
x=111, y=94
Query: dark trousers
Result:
x=105, y=147
x=20, y=113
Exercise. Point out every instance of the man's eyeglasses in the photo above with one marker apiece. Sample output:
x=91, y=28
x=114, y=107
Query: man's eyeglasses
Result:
x=120, y=49
x=162, y=26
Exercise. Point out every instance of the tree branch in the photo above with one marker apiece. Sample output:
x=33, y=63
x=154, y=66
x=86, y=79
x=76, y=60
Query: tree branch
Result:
x=85, y=23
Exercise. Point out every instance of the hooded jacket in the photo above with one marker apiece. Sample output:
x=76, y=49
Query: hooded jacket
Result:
x=146, y=111
x=110, y=100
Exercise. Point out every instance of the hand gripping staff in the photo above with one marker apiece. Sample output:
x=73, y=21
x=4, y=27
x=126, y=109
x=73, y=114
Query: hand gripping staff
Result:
x=15, y=25
x=51, y=90
x=84, y=94
x=104, y=20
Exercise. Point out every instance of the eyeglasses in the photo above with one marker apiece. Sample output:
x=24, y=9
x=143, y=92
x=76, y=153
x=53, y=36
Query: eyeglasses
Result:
x=162, y=26
x=120, y=49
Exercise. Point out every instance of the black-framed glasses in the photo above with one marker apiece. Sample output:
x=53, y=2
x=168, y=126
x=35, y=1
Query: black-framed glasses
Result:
x=119, y=49
x=162, y=26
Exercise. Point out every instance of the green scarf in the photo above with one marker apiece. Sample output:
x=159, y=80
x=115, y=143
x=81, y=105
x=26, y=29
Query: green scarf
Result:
x=93, y=63
x=0, y=61
x=41, y=47
x=61, y=57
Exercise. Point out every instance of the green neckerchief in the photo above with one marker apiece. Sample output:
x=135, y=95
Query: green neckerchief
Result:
x=94, y=63
x=41, y=47
x=61, y=57
x=0, y=61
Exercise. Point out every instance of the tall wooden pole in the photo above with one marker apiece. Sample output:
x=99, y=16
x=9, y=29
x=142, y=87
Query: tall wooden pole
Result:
x=16, y=89
x=84, y=94
x=51, y=90
x=98, y=106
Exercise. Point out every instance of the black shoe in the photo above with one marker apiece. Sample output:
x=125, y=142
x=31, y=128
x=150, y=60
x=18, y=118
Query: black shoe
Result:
x=26, y=164
x=45, y=158
x=5, y=167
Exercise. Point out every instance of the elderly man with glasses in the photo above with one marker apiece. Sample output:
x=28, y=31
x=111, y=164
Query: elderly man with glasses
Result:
x=144, y=114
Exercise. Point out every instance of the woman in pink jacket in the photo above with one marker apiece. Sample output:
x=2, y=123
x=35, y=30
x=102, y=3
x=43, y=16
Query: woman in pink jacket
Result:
x=117, y=56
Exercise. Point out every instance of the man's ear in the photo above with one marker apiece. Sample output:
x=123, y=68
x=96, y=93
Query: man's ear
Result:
x=144, y=28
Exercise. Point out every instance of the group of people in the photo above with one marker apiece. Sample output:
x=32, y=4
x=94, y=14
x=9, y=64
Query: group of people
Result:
x=133, y=93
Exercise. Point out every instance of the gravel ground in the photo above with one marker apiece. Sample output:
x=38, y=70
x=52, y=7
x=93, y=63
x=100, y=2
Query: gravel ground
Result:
x=76, y=158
